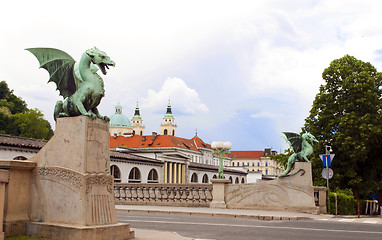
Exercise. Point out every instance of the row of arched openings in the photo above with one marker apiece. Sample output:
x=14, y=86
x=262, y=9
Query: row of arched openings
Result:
x=194, y=178
x=237, y=180
x=135, y=175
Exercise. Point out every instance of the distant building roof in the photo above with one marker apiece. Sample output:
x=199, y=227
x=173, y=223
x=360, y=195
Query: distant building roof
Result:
x=247, y=154
x=152, y=141
x=200, y=144
x=15, y=141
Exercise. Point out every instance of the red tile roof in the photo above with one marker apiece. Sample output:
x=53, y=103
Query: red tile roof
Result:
x=160, y=141
x=200, y=144
x=247, y=154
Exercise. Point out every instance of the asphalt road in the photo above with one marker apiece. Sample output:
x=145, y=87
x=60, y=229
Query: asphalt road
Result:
x=229, y=228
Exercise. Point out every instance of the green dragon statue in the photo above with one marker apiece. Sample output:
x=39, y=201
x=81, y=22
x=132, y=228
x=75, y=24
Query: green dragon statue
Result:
x=301, y=145
x=78, y=83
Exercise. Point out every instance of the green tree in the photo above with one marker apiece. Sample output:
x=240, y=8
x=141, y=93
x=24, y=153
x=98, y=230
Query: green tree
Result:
x=16, y=119
x=346, y=114
x=10, y=100
x=32, y=124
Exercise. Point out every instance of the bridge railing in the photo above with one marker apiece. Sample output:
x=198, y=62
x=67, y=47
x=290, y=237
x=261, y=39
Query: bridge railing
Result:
x=190, y=195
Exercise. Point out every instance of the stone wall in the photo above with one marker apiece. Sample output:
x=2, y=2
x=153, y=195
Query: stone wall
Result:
x=294, y=192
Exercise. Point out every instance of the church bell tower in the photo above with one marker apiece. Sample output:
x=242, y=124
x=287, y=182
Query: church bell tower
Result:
x=168, y=126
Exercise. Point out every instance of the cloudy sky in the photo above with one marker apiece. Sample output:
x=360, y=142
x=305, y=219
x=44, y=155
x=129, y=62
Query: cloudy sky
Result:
x=239, y=71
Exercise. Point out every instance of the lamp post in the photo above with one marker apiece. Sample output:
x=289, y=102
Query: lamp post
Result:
x=221, y=148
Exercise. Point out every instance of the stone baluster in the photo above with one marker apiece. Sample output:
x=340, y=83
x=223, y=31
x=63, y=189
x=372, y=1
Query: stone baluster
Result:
x=146, y=194
x=177, y=194
x=152, y=194
x=140, y=194
x=165, y=194
x=190, y=195
x=209, y=194
x=184, y=194
x=117, y=195
x=202, y=194
x=127, y=192
x=196, y=194
x=171, y=196
x=134, y=194
x=121, y=195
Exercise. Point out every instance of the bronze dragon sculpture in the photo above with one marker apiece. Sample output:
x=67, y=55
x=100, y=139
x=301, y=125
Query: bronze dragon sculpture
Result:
x=301, y=145
x=79, y=84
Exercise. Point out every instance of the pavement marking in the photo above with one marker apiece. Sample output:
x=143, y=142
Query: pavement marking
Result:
x=346, y=220
x=253, y=226
x=323, y=219
x=370, y=222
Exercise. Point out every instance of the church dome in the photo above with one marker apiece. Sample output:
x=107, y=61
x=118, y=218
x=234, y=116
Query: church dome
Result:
x=118, y=119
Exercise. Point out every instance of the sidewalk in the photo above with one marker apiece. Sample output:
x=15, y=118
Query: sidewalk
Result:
x=255, y=214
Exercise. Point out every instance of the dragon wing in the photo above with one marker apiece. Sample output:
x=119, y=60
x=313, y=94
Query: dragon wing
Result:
x=294, y=140
x=60, y=65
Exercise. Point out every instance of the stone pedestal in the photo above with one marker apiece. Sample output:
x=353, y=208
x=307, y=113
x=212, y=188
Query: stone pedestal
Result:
x=17, y=196
x=218, y=200
x=4, y=178
x=72, y=189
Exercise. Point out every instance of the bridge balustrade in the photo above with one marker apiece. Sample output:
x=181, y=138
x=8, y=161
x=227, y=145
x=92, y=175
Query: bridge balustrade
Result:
x=188, y=195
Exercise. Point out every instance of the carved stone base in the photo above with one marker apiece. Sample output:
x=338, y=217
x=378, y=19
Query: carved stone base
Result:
x=294, y=193
x=72, y=190
x=117, y=231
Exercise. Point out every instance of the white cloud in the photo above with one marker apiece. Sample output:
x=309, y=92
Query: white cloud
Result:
x=184, y=98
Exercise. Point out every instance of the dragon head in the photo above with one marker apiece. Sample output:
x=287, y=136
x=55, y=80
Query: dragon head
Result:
x=101, y=59
x=309, y=137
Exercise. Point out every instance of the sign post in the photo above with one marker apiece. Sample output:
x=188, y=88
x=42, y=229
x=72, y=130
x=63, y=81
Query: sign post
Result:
x=327, y=162
x=327, y=173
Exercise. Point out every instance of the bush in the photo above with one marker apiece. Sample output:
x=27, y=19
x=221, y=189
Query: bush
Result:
x=346, y=204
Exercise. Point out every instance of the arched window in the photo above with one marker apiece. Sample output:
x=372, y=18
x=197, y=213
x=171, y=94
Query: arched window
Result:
x=20, y=158
x=116, y=173
x=258, y=164
x=194, y=178
x=237, y=180
x=153, y=176
x=165, y=132
x=120, y=134
x=135, y=175
x=266, y=171
x=133, y=132
x=242, y=180
x=230, y=179
x=141, y=133
x=205, y=178
x=238, y=164
x=266, y=164
x=173, y=132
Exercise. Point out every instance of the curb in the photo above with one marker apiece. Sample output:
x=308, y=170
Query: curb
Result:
x=259, y=217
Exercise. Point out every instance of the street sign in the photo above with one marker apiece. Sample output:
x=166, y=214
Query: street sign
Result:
x=327, y=173
x=327, y=159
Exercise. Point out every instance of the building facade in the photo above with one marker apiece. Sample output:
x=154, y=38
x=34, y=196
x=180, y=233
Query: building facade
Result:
x=256, y=161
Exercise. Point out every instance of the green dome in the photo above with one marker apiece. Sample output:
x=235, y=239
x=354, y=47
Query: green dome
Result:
x=118, y=119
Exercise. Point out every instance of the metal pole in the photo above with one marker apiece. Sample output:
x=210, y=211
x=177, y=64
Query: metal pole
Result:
x=327, y=177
